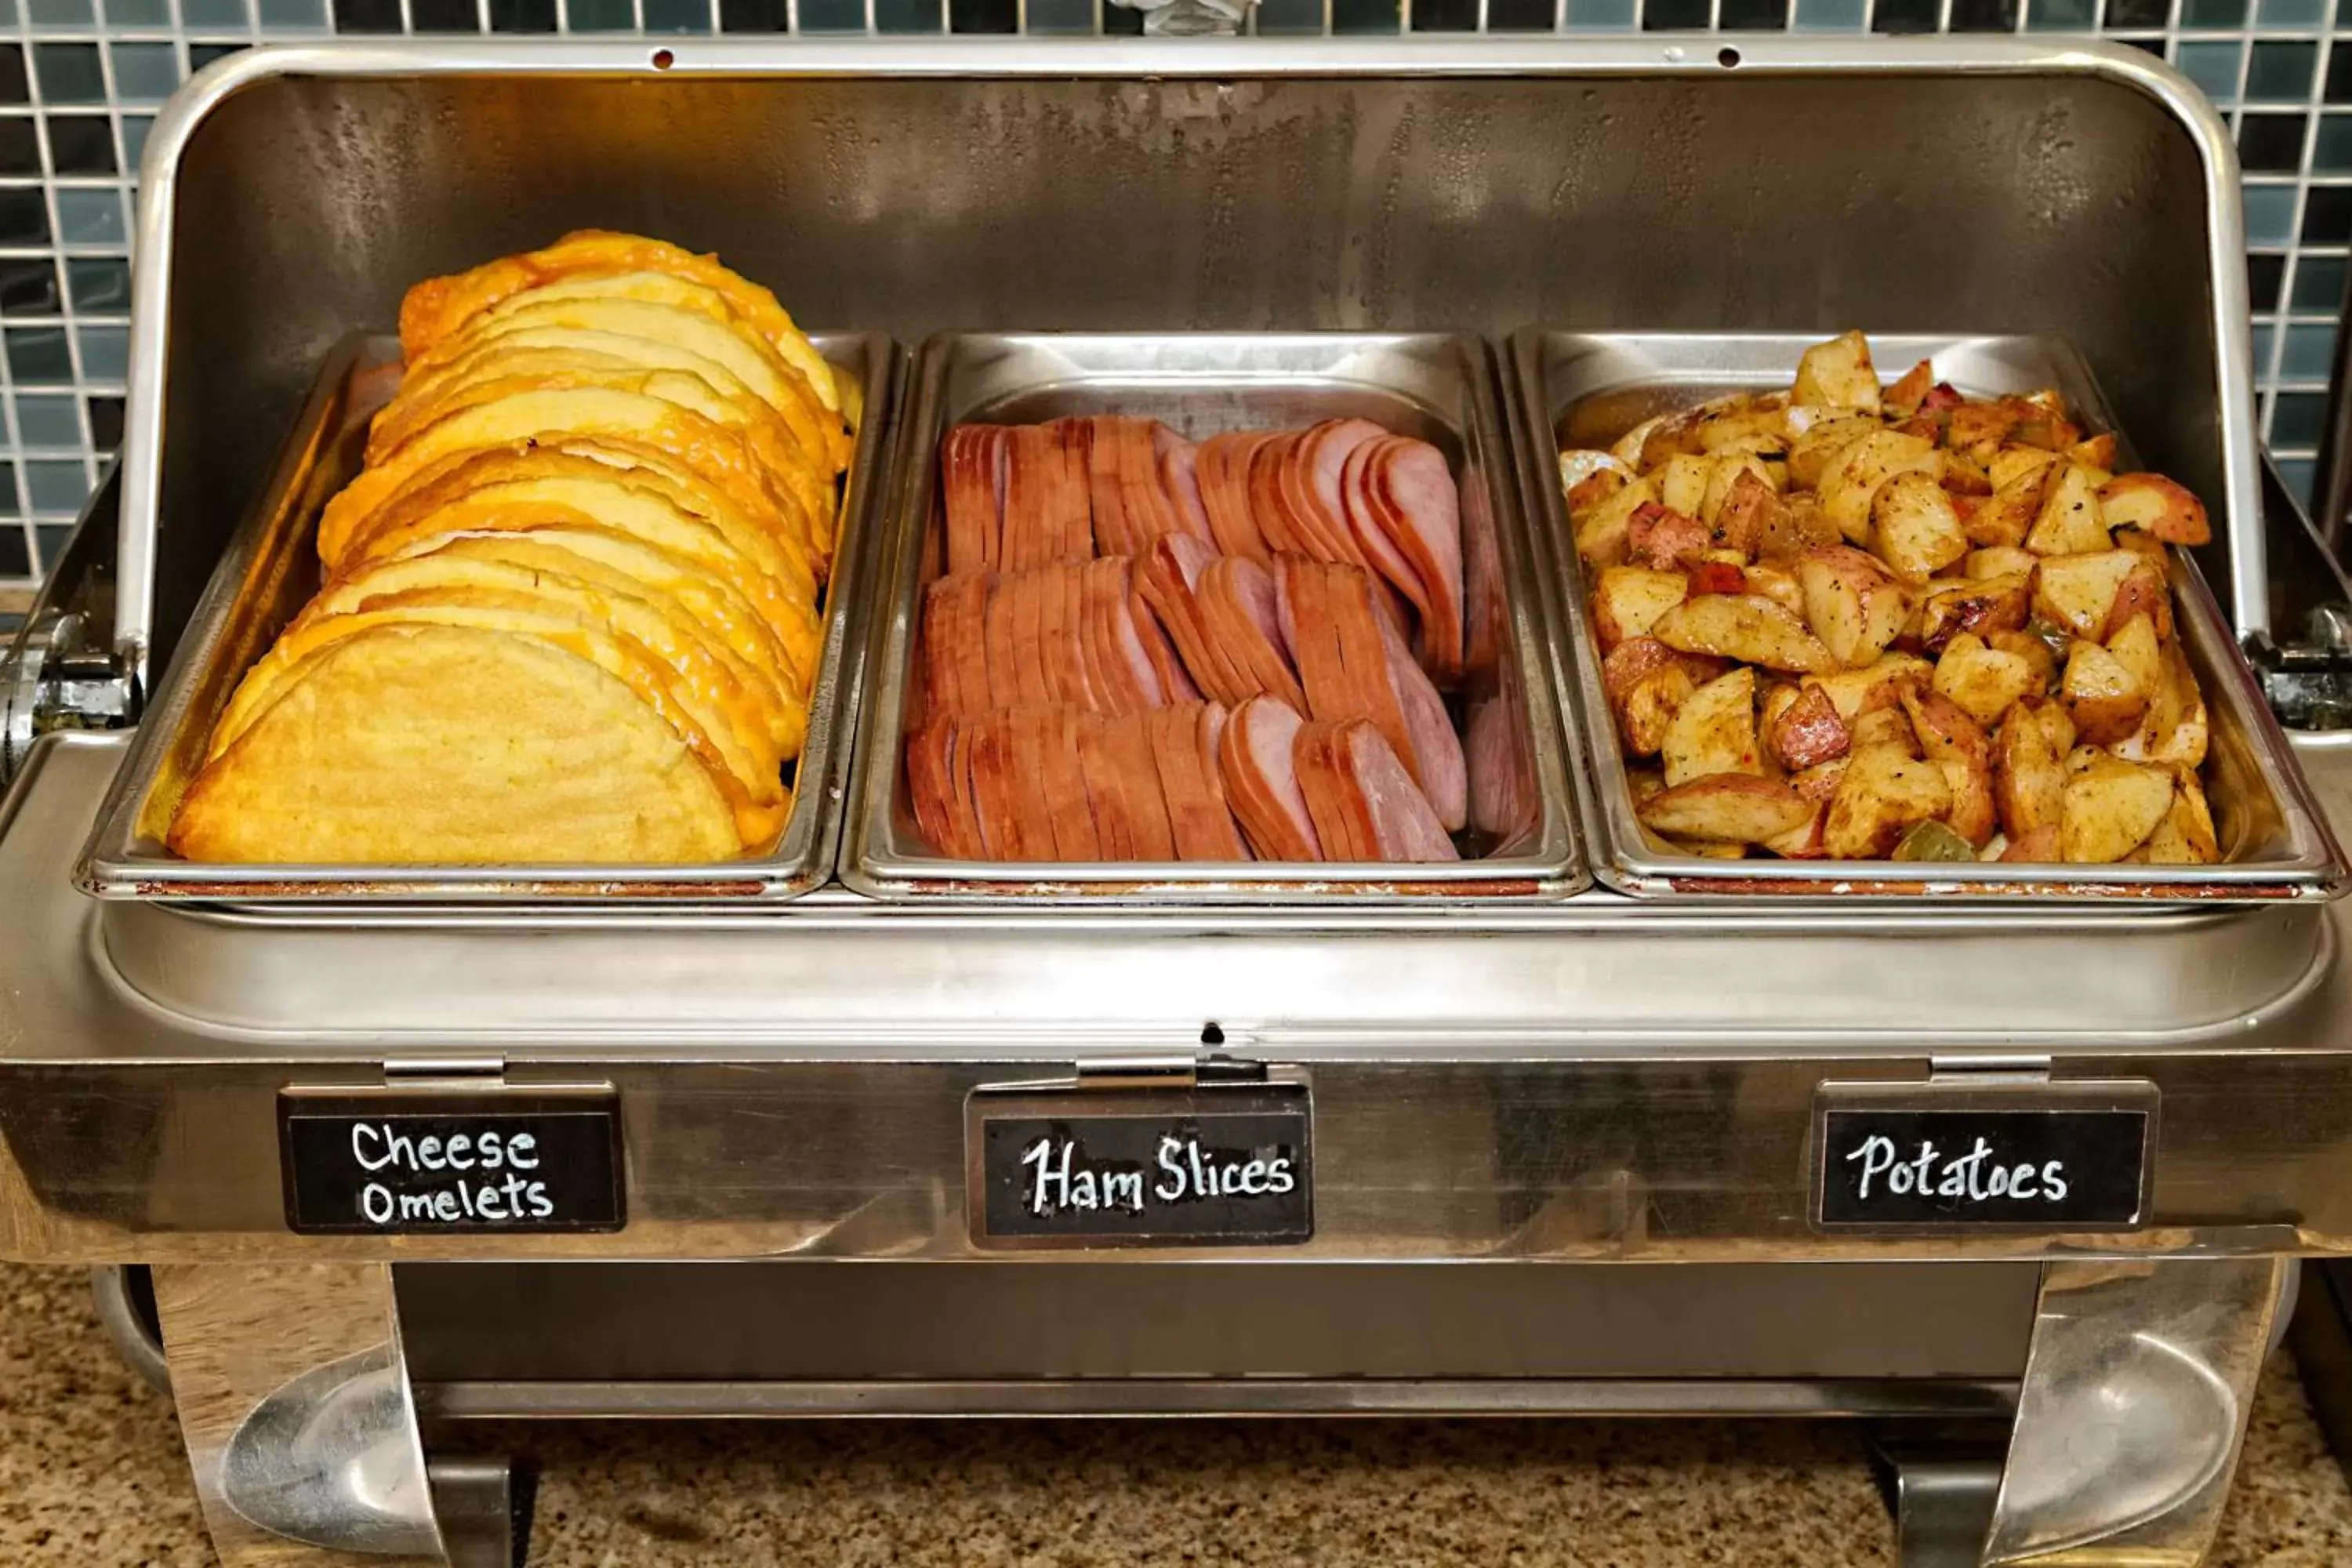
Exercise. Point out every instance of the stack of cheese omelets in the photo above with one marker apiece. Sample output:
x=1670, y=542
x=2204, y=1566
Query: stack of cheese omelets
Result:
x=570, y=609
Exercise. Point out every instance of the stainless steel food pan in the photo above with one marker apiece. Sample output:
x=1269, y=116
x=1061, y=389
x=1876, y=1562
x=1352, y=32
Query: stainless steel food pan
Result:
x=1583, y=389
x=270, y=570
x=1436, y=387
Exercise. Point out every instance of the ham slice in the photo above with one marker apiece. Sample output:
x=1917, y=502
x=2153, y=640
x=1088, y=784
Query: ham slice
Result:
x=1235, y=599
x=1356, y=504
x=1126, y=743
x=1175, y=685
x=1164, y=578
x=1321, y=464
x=1029, y=638
x=963, y=813
x=971, y=488
x=1182, y=750
x=1179, y=464
x=1003, y=678
x=1085, y=690
x=1115, y=534
x=1210, y=734
x=1282, y=499
x=1353, y=664
x=1485, y=630
x=1413, y=503
x=939, y=663
x=1342, y=820
x=1151, y=511
x=1502, y=787
x=1255, y=760
x=1436, y=757
x=1270, y=504
x=955, y=654
x=1120, y=671
x=974, y=685
x=1404, y=827
x=1107, y=792
x=1047, y=517
x=1057, y=647
x=1223, y=469
x=1371, y=693
x=1075, y=513
x=1312, y=635
x=1028, y=788
x=930, y=751
x=993, y=774
x=1062, y=781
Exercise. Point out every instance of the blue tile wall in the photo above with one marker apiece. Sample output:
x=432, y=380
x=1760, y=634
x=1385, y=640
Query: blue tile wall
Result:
x=80, y=81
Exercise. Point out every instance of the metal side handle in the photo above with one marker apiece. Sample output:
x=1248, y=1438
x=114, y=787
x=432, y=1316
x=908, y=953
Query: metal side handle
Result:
x=62, y=671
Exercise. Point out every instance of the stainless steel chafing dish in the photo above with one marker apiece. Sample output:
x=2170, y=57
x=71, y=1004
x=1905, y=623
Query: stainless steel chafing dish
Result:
x=1589, y=1081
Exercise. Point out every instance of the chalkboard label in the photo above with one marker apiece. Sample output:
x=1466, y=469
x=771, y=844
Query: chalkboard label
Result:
x=1999, y=1161
x=1213, y=1167
x=411, y=1164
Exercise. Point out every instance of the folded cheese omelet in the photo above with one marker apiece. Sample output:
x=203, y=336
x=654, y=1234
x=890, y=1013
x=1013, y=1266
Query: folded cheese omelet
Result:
x=571, y=608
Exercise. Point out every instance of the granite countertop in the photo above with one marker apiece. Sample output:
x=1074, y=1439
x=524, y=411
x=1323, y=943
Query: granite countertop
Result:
x=91, y=1475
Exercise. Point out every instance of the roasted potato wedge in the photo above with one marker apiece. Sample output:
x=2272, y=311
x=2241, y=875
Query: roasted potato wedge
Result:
x=2101, y=695
x=2110, y=809
x=2028, y=778
x=1838, y=374
x=1807, y=731
x=1851, y=483
x=1714, y=731
x=1984, y=680
x=2078, y=592
x=1627, y=601
x=1885, y=727
x=1851, y=602
x=1726, y=808
x=2155, y=505
x=2071, y=522
x=1876, y=685
x=2000, y=561
x=1601, y=533
x=1882, y=793
x=1916, y=530
x=1744, y=627
x=1958, y=745
x=1981, y=606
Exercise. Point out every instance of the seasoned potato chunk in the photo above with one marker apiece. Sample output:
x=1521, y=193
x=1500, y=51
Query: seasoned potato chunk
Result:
x=1744, y=627
x=1714, y=731
x=1882, y=793
x=1838, y=374
x=2111, y=807
x=1726, y=808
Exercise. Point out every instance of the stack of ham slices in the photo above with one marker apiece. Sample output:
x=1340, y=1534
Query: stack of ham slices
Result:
x=1142, y=649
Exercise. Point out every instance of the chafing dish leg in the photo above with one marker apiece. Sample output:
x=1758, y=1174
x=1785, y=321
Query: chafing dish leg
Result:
x=295, y=1409
x=2137, y=1386
x=1939, y=1486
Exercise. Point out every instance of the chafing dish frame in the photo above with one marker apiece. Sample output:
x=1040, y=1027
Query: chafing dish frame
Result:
x=250, y=1295
x=2256, y=790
